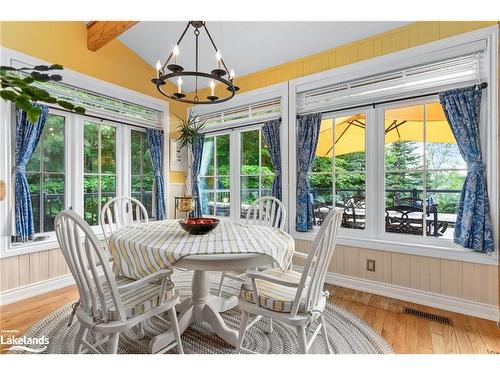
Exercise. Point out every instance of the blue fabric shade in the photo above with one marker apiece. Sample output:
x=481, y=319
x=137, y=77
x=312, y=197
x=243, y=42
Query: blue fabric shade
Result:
x=155, y=141
x=271, y=130
x=308, y=127
x=197, y=148
x=27, y=136
x=473, y=229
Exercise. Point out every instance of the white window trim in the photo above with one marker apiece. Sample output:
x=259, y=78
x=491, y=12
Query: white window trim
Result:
x=426, y=53
x=275, y=91
x=73, y=150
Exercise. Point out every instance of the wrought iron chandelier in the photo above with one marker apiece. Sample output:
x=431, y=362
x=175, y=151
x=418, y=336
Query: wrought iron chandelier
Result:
x=171, y=69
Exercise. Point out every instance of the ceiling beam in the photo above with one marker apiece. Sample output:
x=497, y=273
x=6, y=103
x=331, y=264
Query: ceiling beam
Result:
x=100, y=33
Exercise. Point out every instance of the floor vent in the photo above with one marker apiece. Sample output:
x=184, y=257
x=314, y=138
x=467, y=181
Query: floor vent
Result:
x=425, y=315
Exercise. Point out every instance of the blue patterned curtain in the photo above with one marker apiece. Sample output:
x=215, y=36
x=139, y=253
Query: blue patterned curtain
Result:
x=197, y=148
x=307, y=140
x=271, y=130
x=155, y=141
x=27, y=136
x=473, y=228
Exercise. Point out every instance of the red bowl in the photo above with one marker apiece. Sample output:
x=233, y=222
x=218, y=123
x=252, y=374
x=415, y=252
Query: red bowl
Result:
x=198, y=229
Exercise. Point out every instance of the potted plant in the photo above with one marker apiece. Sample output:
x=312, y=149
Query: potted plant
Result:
x=190, y=131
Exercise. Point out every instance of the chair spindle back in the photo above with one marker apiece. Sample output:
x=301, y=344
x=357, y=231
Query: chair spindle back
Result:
x=89, y=265
x=120, y=212
x=267, y=211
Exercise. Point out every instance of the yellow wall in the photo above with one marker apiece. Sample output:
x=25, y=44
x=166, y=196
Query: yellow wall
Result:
x=395, y=40
x=66, y=43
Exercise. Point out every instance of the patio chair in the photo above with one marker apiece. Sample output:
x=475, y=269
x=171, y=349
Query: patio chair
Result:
x=351, y=217
x=403, y=223
x=110, y=304
x=292, y=297
x=320, y=212
x=267, y=211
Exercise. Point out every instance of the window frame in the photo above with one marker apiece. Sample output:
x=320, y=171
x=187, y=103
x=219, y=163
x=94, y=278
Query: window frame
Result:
x=142, y=175
x=234, y=128
x=215, y=175
x=369, y=220
x=387, y=236
x=99, y=174
x=373, y=238
x=260, y=175
x=42, y=173
x=73, y=150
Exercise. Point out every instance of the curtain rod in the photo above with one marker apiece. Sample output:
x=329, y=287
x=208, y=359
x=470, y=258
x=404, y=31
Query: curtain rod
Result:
x=481, y=86
x=100, y=118
x=242, y=126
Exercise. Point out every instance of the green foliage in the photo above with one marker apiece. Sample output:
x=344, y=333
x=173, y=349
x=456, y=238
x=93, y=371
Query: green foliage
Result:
x=23, y=92
x=190, y=130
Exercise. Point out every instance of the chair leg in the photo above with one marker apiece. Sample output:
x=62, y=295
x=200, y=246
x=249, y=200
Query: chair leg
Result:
x=325, y=336
x=243, y=328
x=172, y=316
x=270, y=326
x=301, y=335
x=113, y=343
x=82, y=333
x=219, y=292
x=140, y=330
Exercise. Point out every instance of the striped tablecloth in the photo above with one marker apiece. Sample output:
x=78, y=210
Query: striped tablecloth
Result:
x=145, y=248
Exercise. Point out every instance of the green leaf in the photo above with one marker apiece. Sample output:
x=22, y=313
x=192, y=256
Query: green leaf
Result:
x=8, y=95
x=56, y=67
x=28, y=80
x=79, y=110
x=42, y=94
x=34, y=114
x=7, y=68
x=23, y=102
x=56, y=77
x=65, y=104
x=50, y=99
x=41, y=68
x=40, y=77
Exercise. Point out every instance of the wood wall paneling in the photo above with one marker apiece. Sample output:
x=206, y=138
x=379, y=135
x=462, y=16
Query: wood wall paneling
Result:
x=400, y=269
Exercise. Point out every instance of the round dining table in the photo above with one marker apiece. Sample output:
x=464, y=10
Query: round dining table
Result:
x=142, y=248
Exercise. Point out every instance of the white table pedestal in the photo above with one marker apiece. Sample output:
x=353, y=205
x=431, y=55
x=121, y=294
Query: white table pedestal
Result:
x=201, y=307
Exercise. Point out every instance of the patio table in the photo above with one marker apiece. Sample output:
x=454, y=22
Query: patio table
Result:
x=145, y=248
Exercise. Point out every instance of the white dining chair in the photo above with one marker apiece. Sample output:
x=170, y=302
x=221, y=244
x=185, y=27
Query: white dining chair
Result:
x=120, y=212
x=292, y=297
x=266, y=211
x=110, y=304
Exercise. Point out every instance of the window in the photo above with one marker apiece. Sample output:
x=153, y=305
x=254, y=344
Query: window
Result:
x=256, y=169
x=45, y=172
x=214, y=178
x=424, y=171
x=338, y=176
x=142, y=175
x=99, y=158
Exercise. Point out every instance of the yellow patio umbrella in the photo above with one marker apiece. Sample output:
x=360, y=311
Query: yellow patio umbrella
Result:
x=401, y=124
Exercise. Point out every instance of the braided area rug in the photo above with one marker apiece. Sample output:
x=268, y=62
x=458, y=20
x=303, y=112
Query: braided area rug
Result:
x=347, y=333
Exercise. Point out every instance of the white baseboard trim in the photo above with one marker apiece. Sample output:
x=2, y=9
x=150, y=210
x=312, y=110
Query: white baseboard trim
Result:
x=422, y=297
x=32, y=290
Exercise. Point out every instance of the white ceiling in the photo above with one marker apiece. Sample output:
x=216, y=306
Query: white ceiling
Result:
x=246, y=47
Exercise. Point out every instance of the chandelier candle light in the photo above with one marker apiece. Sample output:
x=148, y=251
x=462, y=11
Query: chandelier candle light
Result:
x=171, y=69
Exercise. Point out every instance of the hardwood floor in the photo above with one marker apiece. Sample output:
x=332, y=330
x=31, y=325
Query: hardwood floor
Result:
x=410, y=334
x=405, y=333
